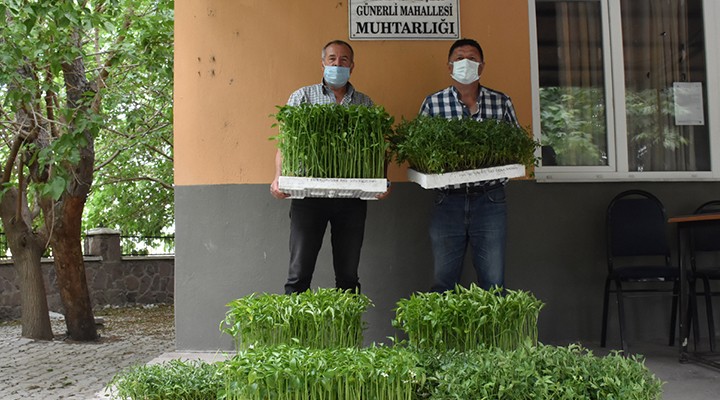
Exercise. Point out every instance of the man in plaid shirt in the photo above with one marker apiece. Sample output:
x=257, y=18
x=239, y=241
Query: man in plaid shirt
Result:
x=309, y=217
x=472, y=213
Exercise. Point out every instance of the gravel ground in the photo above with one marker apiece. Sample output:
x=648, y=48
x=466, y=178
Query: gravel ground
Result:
x=65, y=369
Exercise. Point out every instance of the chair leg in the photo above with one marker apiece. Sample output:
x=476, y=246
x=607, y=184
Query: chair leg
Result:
x=693, y=313
x=606, y=299
x=621, y=317
x=709, y=311
x=674, y=312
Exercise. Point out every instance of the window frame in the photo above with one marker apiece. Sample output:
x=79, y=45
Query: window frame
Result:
x=617, y=168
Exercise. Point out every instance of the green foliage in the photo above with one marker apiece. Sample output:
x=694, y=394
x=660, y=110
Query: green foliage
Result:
x=333, y=141
x=469, y=318
x=291, y=373
x=128, y=112
x=147, y=245
x=324, y=318
x=39, y=41
x=172, y=380
x=539, y=373
x=133, y=188
x=287, y=372
x=573, y=123
x=437, y=145
x=486, y=349
x=651, y=128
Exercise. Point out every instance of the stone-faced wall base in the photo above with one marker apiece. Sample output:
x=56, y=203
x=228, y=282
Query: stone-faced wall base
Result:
x=129, y=280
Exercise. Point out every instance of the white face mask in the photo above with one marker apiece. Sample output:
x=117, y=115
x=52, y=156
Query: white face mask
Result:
x=465, y=71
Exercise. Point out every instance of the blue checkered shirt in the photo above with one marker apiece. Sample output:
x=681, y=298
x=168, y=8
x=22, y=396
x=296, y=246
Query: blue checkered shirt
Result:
x=491, y=104
x=322, y=94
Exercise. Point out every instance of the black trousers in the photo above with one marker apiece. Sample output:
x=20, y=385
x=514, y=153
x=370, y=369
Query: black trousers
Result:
x=308, y=221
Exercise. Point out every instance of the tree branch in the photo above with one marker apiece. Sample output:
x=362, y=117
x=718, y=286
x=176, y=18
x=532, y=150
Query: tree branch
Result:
x=131, y=138
x=18, y=141
x=35, y=212
x=109, y=160
x=141, y=178
x=21, y=196
x=104, y=72
x=10, y=162
x=50, y=101
x=160, y=152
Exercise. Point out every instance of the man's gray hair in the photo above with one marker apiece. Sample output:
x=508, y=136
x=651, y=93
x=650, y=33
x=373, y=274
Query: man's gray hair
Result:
x=340, y=42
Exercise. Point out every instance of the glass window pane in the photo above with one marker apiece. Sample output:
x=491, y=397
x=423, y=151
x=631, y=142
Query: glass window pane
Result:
x=572, y=83
x=663, y=43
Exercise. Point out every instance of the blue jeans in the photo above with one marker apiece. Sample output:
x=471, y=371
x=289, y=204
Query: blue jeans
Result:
x=309, y=219
x=478, y=219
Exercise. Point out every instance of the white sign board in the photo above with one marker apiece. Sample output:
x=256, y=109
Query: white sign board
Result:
x=688, y=103
x=404, y=19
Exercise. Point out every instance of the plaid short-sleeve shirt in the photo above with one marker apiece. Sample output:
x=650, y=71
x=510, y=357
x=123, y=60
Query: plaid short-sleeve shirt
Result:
x=321, y=94
x=491, y=104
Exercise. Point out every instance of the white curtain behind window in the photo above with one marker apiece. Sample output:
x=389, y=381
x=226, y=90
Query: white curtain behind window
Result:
x=656, y=47
x=572, y=83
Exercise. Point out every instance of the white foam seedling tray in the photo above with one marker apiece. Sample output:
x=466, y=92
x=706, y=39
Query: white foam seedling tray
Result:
x=301, y=187
x=433, y=181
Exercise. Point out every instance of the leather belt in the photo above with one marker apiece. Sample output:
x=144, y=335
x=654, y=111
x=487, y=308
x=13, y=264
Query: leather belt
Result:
x=472, y=189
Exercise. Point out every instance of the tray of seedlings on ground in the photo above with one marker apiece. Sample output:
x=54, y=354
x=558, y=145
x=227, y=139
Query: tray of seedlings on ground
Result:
x=442, y=152
x=329, y=150
x=466, y=343
x=324, y=318
x=469, y=318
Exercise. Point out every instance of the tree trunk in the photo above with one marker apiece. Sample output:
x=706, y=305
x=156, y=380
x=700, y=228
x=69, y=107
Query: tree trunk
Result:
x=33, y=299
x=70, y=268
x=63, y=217
x=27, y=248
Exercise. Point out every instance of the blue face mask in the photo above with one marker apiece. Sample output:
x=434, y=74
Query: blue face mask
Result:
x=336, y=76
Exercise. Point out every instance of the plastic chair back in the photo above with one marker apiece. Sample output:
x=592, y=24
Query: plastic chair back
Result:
x=636, y=225
x=707, y=238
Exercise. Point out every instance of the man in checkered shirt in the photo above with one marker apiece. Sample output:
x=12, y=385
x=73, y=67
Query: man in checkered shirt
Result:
x=309, y=217
x=472, y=213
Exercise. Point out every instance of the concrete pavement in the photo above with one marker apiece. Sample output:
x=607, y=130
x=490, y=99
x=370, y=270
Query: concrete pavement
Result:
x=60, y=369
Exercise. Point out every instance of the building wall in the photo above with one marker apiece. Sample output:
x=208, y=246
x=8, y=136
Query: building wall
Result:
x=236, y=60
x=556, y=250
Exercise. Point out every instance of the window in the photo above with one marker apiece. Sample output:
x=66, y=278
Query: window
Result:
x=622, y=90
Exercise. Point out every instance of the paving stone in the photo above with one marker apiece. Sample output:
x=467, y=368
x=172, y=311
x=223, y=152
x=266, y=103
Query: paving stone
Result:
x=59, y=369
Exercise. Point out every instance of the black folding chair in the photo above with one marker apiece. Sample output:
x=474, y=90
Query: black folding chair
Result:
x=636, y=227
x=704, y=239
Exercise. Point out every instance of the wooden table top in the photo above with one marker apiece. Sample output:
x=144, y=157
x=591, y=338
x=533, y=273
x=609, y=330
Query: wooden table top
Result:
x=695, y=218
